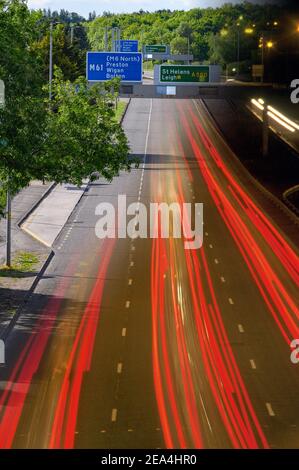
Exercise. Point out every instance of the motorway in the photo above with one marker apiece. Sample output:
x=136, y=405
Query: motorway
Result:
x=144, y=344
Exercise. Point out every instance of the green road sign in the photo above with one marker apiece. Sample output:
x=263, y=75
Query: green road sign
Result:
x=155, y=48
x=184, y=73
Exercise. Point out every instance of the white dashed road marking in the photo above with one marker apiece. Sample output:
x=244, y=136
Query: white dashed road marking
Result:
x=270, y=409
x=114, y=415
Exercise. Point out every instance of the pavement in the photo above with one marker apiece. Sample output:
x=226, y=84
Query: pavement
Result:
x=14, y=290
x=22, y=203
x=139, y=343
x=50, y=216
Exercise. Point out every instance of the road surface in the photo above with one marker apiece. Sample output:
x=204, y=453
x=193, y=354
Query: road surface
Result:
x=145, y=344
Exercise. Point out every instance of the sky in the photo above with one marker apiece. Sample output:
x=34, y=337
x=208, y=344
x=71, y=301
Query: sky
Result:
x=120, y=6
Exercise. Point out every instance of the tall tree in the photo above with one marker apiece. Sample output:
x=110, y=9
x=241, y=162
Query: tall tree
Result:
x=66, y=141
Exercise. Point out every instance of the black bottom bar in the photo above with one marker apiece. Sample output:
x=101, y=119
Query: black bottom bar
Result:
x=148, y=458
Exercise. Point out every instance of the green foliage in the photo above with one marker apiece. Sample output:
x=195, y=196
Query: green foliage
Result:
x=22, y=264
x=22, y=119
x=121, y=106
x=82, y=134
x=2, y=201
x=69, y=48
x=67, y=141
x=176, y=27
x=179, y=45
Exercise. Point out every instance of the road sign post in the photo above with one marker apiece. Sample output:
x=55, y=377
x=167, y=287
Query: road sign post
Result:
x=257, y=71
x=103, y=66
x=265, y=139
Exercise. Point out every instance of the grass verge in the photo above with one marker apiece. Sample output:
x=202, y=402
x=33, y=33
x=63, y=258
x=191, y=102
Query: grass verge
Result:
x=23, y=263
x=120, y=110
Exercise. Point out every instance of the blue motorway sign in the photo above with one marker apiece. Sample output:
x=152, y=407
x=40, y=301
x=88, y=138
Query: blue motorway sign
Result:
x=102, y=66
x=128, y=45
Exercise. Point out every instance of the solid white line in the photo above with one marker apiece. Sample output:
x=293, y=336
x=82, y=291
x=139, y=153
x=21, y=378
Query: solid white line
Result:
x=252, y=363
x=114, y=415
x=205, y=412
x=145, y=148
x=270, y=409
x=148, y=129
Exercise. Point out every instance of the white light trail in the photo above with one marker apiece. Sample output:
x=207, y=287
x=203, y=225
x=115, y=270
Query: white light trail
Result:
x=283, y=117
x=276, y=115
x=281, y=122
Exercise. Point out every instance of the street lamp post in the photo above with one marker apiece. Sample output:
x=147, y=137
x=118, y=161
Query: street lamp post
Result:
x=238, y=43
x=8, y=226
x=52, y=23
x=265, y=139
x=106, y=38
x=51, y=61
x=8, y=195
x=115, y=39
x=72, y=28
x=264, y=44
x=72, y=34
x=238, y=49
